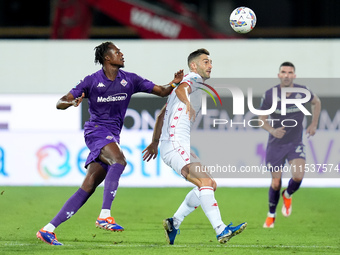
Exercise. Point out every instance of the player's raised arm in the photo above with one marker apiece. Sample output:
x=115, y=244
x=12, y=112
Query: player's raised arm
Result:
x=165, y=90
x=69, y=100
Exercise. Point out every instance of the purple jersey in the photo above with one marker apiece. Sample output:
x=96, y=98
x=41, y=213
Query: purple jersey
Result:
x=108, y=100
x=293, y=134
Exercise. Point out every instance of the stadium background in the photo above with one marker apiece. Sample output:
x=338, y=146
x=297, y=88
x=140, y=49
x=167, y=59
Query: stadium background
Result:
x=36, y=70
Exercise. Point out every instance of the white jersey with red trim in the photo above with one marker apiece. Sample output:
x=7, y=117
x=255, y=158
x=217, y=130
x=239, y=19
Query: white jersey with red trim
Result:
x=176, y=125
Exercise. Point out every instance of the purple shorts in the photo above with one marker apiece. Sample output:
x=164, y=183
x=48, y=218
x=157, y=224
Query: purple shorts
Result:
x=96, y=137
x=276, y=155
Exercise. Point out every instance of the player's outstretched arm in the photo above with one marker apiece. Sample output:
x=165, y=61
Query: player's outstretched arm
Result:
x=68, y=100
x=165, y=90
x=316, y=109
x=151, y=151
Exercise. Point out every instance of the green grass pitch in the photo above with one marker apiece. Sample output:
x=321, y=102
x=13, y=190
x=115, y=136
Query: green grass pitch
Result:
x=312, y=228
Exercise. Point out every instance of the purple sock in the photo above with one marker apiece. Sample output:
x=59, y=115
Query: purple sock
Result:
x=274, y=196
x=111, y=184
x=293, y=186
x=71, y=206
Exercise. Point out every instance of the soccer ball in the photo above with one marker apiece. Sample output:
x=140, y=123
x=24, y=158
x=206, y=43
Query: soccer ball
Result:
x=242, y=20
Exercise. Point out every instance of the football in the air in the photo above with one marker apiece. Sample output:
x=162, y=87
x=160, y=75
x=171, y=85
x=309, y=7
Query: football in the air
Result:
x=242, y=20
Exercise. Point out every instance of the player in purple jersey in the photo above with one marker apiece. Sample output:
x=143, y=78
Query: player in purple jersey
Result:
x=109, y=91
x=285, y=140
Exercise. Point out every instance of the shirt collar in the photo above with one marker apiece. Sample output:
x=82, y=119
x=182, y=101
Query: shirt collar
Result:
x=119, y=74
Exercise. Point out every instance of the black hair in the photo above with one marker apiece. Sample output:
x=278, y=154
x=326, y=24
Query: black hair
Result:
x=100, y=52
x=196, y=54
x=287, y=63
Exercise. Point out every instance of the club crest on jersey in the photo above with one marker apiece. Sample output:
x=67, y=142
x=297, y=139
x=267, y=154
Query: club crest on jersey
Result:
x=123, y=82
x=100, y=85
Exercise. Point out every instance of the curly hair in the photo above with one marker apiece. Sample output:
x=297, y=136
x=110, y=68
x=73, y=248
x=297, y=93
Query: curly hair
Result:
x=100, y=52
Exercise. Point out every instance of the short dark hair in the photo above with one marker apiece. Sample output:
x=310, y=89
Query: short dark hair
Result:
x=100, y=52
x=287, y=63
x=196, y=54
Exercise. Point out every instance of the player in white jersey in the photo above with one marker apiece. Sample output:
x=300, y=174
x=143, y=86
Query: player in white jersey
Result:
x=173, y=129
x=175, y=137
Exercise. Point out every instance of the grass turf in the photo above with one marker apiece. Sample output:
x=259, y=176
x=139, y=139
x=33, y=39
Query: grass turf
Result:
x=312, y=228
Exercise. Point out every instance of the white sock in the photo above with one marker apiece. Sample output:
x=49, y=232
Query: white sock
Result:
x=190, y=203
x=104, y=213
x=219, y=229
x=49, y=227
x=211, y=209
x=287, y=195
x=271, y=215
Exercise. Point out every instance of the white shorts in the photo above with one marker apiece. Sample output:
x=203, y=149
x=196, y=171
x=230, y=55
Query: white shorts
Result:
x=177, y=155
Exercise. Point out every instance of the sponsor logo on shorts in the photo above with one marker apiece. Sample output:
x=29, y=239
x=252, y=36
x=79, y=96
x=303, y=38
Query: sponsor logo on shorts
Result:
x=109, y=137
x=113, y=98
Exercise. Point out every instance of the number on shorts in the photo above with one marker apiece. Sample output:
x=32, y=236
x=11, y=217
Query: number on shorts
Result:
x=301, y=149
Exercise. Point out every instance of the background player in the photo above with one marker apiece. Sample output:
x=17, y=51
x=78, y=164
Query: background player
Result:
x=173, y=125
x=109, y=91
x=285, y=143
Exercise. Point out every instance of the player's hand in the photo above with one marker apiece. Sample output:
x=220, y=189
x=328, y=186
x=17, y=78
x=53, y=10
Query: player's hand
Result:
x=278, y=132
x=150, y=152
x=191, y=112
x=78, y=100
x=311, y=130
x=178, y=77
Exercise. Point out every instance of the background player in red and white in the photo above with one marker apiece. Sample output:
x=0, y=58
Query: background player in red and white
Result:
x=285, y=143
x=173, y=129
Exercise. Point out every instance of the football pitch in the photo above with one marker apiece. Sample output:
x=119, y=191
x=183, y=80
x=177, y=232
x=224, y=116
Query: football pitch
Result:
x=312, y=228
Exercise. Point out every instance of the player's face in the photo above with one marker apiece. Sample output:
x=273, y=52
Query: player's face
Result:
x=204, y=66
x=115, y=56
x=286, y=75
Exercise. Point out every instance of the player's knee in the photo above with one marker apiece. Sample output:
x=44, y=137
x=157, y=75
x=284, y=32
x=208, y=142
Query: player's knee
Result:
x=209, y=182
x=120, y=159
x=214, y=185
x=299, y=179
x=276, y=184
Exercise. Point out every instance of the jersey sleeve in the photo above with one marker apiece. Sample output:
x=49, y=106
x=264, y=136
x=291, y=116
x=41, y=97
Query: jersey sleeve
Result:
x=311, y=93
x=82, y=87
x=266, y=101
x=193, y=80
x=141, y=84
